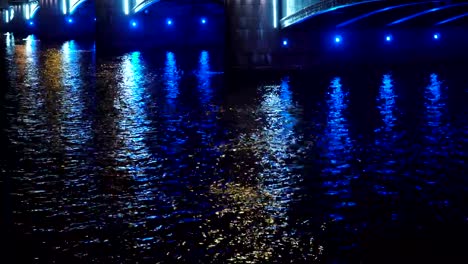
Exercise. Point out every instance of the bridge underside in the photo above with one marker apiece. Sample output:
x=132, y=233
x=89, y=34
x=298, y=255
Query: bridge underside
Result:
x=380, y=31
x=59, y=19
x=163, y=23
x=382, y=14
x=135, y=7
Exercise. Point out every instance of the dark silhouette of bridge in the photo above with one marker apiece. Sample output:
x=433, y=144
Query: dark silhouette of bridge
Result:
x=255, y=32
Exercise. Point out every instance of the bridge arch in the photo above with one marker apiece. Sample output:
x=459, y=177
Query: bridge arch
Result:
x=74, y=4
x=320, y=8
x=378, y=14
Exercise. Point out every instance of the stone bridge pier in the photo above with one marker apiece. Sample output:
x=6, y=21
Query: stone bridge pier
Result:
x=253, y=39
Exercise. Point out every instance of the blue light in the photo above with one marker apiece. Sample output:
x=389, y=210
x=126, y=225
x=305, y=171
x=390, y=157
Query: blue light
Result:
x=169, y=21
x=338, y=39
x=94, y=19
x=31, y=23
x=436, y=36
x=133, y=23
x=388, y=38
x=70, y=20
x=203, y=20
x=285, y=42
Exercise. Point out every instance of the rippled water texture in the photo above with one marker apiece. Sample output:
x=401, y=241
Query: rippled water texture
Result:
x=159, y=157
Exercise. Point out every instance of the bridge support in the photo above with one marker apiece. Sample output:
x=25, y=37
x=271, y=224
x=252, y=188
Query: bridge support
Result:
x=252, y=36
x=108, y=17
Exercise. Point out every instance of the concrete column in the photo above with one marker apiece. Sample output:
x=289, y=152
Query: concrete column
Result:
x=252, y=39
x=109, y=17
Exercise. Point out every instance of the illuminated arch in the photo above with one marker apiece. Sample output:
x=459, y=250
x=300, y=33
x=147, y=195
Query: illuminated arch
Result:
x=437, y=9
x=311, y=11
x=386, y=9
x=143, y=4
x=70, y=6
x=30, y=9
x=448, y=20
x=74, y=4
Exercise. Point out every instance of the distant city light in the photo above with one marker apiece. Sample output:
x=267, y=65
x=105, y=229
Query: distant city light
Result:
x=436, y=36
x=169, y=21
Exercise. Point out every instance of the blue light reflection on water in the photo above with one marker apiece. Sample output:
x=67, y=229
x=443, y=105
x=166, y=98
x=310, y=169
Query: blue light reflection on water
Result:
x=437, y=138
x=386, y=102
x=132, y=119
x=130, y=173
x=133, y=157
x=384, y=166
x=204, y=75
x=207, y=125
x=337, y=153
x=338, y=141
x=75, y=127
x=277, y=136
x=434, y=103
x=10, y=43
x=171, y=77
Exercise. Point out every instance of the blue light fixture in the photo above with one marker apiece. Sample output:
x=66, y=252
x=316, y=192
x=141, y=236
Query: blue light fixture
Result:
x=70, y=20
x=203, y=20
x=31, y=23
x=388, y=38
x=436, y=36
x=169, y=22
x=338, y=39
x=285, y=42
x=133, y=23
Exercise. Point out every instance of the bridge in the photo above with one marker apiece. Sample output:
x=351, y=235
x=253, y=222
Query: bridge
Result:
x=48, y=17
x=255, y=32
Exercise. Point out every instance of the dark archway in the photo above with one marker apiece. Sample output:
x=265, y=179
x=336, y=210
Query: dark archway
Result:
x=180, y=23
x=80, y=23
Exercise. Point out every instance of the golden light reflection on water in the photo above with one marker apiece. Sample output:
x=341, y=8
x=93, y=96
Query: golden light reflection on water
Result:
x=48, y=126
x=256, y=203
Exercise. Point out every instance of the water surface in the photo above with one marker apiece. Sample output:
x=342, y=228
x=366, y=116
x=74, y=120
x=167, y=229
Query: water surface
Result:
x=149, y=157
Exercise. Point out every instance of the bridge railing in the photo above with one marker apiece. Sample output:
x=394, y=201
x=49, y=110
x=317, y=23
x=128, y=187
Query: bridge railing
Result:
x=314, y=9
